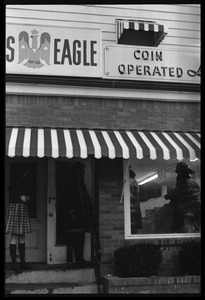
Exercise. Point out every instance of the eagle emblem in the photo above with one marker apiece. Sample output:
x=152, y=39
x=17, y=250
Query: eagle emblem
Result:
x=36, y=56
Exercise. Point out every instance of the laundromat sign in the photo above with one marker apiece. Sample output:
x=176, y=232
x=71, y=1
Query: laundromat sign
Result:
x=140, y=63
x=53, y=51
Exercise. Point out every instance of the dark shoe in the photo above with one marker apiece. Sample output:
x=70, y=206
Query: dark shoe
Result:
x=83, y=262
x=25, y=266
x=16, y=268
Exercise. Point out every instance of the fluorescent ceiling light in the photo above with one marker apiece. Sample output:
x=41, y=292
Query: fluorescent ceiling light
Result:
x=194, y=159
x=148, y=179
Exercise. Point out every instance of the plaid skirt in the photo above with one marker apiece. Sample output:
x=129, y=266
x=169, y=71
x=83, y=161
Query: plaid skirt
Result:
x=18, y=221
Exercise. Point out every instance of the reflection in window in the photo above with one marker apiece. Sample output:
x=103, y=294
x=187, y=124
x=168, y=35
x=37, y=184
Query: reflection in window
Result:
x=136, y=217
x=157, y=202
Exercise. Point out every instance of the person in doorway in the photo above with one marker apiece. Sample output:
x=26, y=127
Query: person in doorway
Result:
x=185, y=200
x=18, y=221
x=79, y=214
x=136, y=217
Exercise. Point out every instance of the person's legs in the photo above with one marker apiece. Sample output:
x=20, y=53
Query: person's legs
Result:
x=12, y=249
x=22, y=249
x=79, y=246
x=69, y=242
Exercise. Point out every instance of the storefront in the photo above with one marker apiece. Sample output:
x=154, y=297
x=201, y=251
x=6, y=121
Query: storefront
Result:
x=115, y=93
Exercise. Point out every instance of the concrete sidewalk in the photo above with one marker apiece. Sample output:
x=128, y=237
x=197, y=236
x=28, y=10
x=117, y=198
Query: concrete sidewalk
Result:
x=52, y=288
x=44, y=279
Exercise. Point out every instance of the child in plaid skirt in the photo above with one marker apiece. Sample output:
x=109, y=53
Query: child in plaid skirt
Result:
x=18, y=221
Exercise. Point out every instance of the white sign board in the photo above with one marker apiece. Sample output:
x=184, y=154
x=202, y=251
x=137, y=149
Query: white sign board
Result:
x=151, y=64
x=43, y=50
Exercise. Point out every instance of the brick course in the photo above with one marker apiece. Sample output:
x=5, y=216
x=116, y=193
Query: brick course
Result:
x=152, y=285
x=101, y=113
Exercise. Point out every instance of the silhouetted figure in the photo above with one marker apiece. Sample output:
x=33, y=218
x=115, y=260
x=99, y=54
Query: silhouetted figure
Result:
x=78, y=214
x=185, y=199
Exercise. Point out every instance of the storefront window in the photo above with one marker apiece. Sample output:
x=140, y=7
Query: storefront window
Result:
x=161, y=201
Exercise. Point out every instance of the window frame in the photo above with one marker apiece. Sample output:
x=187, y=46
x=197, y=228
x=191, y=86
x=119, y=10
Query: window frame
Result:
x=127, y=214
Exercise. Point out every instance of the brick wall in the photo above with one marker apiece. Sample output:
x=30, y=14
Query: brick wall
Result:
x=111, y=211
x=101, y=113
x=152, y=285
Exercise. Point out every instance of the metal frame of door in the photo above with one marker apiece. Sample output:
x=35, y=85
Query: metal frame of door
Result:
x=35, y=241
x=56, y=254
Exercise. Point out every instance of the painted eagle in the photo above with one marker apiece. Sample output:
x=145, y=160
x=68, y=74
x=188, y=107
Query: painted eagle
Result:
x=35, y=55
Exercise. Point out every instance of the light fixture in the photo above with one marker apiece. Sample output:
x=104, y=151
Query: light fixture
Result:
x=194, y=159
x=148, y=179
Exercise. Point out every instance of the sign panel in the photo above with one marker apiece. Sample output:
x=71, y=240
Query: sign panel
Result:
x=40, y=50
x=151, y=64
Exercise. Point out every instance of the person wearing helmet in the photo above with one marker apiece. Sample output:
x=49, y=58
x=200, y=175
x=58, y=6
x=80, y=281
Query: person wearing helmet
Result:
x=185, y=200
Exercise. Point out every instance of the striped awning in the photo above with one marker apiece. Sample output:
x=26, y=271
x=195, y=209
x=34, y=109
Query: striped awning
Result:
x=153, y=32
x=63, y=142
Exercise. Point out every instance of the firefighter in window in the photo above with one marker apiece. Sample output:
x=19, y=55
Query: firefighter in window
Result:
x=185, y=200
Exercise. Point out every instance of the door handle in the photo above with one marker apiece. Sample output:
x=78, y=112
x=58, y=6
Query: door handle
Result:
x=51, y=198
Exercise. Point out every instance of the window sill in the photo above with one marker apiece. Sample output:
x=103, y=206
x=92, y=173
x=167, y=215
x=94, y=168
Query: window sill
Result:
x=162, y=236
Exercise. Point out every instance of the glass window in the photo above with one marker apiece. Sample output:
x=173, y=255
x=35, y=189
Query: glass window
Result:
x=161, y=201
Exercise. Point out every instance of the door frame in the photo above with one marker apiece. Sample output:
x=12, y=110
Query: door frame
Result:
x=57, y=254
x=35, y=241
